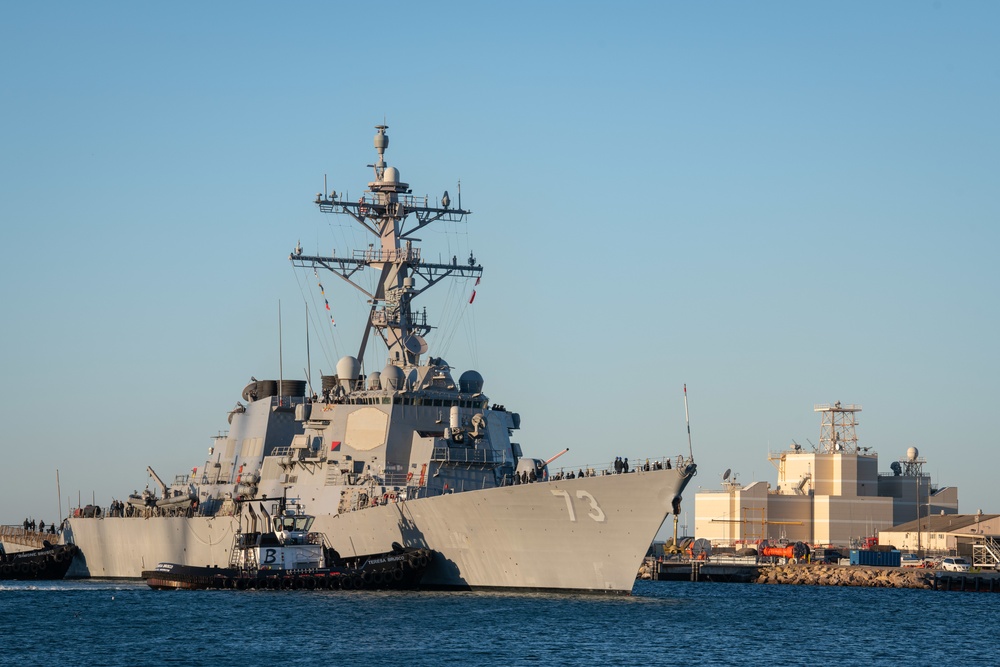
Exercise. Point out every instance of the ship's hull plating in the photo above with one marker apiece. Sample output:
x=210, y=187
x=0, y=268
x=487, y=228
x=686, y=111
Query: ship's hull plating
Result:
x=589, y=534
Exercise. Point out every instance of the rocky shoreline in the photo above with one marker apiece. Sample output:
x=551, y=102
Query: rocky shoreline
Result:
x=841, y=575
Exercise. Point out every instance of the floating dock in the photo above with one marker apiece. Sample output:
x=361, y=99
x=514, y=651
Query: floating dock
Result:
x=730, y=571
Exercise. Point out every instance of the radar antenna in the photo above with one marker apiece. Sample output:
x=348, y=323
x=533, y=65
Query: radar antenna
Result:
x=837, y=430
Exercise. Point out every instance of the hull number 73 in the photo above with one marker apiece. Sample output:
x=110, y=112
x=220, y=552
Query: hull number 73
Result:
x=594, y=510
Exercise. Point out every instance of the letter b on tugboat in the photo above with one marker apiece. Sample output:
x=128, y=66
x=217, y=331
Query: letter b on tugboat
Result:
x=270, y=556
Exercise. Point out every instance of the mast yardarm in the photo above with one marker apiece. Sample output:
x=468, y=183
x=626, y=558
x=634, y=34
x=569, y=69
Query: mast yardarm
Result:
x=385, y=211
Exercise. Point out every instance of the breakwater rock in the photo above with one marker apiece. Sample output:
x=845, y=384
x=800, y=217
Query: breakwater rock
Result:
x=844, y=575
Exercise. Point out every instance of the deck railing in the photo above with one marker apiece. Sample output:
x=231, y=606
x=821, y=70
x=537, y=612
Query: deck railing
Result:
x=27, y=538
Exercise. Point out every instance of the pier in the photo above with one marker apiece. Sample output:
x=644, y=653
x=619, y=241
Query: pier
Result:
x=730, y=571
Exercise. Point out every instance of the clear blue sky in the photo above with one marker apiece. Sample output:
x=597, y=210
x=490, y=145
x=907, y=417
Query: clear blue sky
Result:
x=779, y=204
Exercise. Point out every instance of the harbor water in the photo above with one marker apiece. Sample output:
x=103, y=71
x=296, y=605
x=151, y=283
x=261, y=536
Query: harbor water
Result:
x=114, y=623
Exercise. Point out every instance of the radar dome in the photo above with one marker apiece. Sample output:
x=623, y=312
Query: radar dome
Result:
x=392, y=377
x=912, y=453
x=391, y=175
x=374, y=380
x=471, y=382
x=348, y=368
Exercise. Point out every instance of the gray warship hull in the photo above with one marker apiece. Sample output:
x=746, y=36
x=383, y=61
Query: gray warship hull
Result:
x=586, y=534
x=394, y=447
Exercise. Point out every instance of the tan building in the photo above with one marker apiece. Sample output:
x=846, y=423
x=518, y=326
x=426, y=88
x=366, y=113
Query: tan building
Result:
x=943, y=533
x=832, y=495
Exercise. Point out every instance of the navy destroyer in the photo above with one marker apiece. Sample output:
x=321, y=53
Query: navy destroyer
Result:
x=406, y=453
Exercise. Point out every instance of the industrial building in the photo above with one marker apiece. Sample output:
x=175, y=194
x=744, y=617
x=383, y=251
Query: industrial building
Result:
x=973, y=536
x=831, y=494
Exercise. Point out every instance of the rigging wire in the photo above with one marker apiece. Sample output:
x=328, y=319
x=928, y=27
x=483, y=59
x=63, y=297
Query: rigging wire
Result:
x=456, y=297
x=330, y=338
x=460, y=320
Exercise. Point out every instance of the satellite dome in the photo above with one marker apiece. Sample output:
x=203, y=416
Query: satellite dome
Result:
x=471, y=382
x=392, y=377
x=348, y=368
x=391, y=175
x=374, y=380
x=912, y=453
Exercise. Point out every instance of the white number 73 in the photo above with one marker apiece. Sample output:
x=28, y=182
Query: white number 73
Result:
x=595, y=513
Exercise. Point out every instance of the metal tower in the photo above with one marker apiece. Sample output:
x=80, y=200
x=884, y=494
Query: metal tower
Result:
x=837, y=434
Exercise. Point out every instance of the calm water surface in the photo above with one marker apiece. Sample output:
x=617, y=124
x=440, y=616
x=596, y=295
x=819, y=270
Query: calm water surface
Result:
x=663, y=623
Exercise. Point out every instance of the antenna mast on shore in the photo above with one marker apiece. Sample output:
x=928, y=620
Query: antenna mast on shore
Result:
x=687, y=420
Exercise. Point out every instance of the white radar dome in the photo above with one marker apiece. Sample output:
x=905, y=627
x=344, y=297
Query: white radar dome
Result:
x=348, y=368
x=392, y=377
x=912, y=453
x=471, y=382
x=391, y=175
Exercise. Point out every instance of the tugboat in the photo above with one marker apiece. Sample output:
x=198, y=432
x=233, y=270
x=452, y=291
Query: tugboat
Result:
x=48, y=563
x=291, y=556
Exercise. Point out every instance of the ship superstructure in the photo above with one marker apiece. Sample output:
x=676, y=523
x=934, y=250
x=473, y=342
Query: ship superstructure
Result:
x=403, y=453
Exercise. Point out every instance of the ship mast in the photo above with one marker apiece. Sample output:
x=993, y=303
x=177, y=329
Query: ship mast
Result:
x=384, y=211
